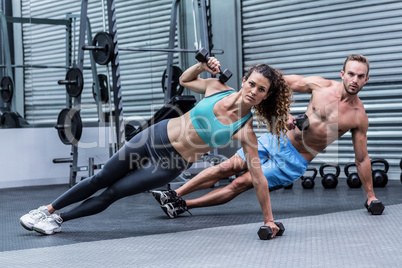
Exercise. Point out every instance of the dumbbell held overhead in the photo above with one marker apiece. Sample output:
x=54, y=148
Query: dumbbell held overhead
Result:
x=202, y=56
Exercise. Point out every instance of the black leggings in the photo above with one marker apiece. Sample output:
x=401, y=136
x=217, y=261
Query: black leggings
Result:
x=146, y=162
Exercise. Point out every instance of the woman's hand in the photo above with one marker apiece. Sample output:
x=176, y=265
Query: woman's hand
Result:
x=212, y=66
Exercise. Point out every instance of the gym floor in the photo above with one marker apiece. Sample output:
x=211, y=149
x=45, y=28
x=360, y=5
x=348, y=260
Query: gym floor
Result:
x=328, y=228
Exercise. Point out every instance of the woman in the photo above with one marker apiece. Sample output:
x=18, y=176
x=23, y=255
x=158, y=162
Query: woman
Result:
x=163, y=151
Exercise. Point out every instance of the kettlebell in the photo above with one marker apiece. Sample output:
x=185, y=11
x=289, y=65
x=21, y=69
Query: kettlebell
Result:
x=353, y=179
x=380, y=177
x=288, y=187
x=400, y=165
x=329, y=180
x=308, y=182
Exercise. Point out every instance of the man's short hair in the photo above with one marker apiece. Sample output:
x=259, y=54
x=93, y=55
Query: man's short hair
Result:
x=359, y=58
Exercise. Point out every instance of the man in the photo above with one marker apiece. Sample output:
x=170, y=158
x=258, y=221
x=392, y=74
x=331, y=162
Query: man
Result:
x=334, y=109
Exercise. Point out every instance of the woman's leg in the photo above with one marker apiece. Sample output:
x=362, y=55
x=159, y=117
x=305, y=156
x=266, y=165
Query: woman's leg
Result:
x=145, y=178
x=120, y=164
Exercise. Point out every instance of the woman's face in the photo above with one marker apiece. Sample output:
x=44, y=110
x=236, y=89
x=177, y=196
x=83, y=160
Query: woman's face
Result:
x=255, y=89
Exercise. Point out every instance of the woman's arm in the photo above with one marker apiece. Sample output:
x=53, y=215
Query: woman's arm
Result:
x=260, y=183
x=190, y=78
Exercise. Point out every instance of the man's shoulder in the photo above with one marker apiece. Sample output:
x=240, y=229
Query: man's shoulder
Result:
x=361, y=115
x=321, y=82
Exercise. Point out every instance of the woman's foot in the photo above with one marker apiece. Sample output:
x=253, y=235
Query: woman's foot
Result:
x=49, y=225
x=30, y=219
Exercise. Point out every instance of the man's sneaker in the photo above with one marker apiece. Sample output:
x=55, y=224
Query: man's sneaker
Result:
x=176, y=208
x=164, y=197
x=49, y=225
x=30, y=219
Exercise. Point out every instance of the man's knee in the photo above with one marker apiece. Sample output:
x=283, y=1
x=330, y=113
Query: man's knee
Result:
x=242, y=183
x=225, y=168
x=232, y=166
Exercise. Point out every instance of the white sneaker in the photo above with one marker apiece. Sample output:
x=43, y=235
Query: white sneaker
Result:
x=30, y=219
x=49, y=225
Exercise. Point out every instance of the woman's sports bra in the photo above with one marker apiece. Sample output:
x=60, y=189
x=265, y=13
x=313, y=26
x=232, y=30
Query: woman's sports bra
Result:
x=208, y=127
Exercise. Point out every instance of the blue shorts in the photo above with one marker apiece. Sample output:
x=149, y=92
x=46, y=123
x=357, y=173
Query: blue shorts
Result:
x=281, y=166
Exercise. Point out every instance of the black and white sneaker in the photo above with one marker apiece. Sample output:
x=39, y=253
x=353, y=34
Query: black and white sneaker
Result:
x=176, y=208
x=164, y=197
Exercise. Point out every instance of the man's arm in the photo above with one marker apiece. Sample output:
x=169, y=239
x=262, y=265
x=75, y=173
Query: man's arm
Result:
x=362, y=159
x=302, y=84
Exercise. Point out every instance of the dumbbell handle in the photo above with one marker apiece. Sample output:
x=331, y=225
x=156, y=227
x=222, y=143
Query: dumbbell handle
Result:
x=94, y=48
x=67, y=82
x=202, y=56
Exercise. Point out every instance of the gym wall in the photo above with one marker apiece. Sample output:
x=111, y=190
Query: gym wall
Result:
x=299, y=37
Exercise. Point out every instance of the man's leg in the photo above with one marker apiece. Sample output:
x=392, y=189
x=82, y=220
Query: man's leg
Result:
x=208, y=177
x=173, y=204
x=223, y=195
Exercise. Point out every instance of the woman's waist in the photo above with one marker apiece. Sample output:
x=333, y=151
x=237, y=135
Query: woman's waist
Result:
x=186, y=141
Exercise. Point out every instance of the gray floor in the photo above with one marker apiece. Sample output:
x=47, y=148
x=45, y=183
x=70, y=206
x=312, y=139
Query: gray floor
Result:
x=323, y=228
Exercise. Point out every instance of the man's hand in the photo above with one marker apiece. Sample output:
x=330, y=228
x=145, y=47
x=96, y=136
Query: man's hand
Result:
x=273, y=227
x=371, y=199
x=290, y=125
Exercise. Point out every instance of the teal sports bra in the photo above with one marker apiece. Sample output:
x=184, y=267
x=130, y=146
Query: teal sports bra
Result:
x=208, y=127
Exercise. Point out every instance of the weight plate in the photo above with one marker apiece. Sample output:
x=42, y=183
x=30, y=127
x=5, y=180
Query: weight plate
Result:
x=69, y=126
x=7, y=89
x=177, y=89
x=103, y=56
x=103, y=89
x=74, y=89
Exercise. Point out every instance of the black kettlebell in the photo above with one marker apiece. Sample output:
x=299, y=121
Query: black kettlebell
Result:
x=400, y=165
x=330, y=181
x=380, y=177
x=353, y=179
x=308, y=182
x=288, y=187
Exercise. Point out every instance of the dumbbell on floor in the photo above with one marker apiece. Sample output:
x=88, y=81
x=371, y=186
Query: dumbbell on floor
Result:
x=202, y=56
x=265, y=232
x=375, y=208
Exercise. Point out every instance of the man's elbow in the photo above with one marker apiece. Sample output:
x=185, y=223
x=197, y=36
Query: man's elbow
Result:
x=359, y=161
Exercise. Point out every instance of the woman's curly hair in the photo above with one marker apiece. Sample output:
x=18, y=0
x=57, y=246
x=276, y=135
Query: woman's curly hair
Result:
x=274, y=110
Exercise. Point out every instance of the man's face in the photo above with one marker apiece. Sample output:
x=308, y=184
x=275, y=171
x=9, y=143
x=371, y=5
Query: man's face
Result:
x=354, y=77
